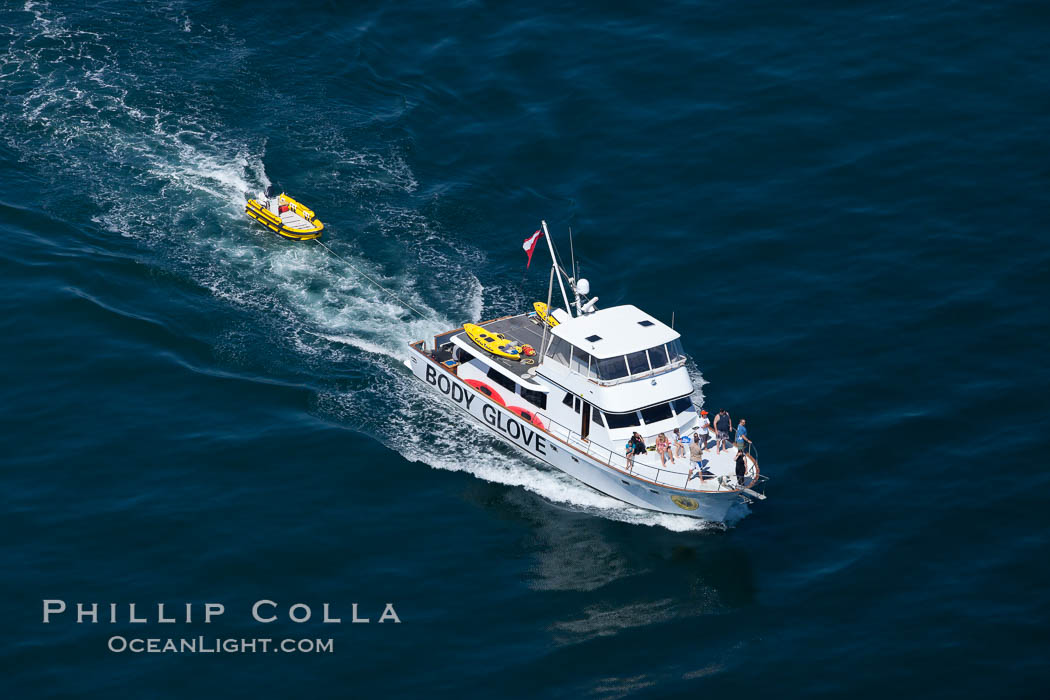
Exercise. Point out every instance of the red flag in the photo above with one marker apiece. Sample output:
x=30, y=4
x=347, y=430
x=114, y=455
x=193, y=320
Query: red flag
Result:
x=530, y=245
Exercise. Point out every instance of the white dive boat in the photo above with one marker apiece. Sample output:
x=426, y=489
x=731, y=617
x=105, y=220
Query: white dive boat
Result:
x=597, y=376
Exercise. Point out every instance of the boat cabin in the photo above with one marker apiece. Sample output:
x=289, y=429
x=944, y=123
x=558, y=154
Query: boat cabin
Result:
x=599, y=376
x=627, y=365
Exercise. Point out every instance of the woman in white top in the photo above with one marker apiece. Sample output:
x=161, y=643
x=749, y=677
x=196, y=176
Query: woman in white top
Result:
x=679, y=445
x=705, y=426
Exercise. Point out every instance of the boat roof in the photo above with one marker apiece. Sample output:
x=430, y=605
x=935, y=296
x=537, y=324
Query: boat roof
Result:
x=618, y=330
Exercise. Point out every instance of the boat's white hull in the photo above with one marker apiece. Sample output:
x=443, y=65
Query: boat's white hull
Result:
x=510, y=428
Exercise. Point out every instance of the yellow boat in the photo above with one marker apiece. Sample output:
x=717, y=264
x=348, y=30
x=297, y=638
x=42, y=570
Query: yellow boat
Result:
x=541, y=311
x=495, y=343
x=285, y=217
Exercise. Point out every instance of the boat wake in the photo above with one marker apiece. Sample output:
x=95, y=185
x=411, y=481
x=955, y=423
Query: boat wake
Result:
x=104, y=114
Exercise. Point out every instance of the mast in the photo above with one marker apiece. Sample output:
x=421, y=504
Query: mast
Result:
x=575, y=273
x=546, y=324
x=554, y=262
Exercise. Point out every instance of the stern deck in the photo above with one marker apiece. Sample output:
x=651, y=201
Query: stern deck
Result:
x=521, y=329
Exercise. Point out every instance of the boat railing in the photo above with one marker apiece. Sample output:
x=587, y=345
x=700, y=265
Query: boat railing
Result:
x=619, y=461
x=593, y=379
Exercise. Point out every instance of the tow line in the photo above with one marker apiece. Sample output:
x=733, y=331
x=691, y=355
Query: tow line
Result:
x=393, y=296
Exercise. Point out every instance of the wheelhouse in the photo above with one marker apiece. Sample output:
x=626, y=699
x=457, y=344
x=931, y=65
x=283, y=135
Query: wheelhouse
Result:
x=619, y=368
x=615, y=345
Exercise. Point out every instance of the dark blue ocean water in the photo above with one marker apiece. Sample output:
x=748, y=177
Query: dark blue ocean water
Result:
x=844, y=205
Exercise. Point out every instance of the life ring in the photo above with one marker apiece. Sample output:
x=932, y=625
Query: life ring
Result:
x=487, y=391
x=684, y=503
x=527, y=415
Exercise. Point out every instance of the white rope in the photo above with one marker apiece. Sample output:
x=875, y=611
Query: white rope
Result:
x=351, y=266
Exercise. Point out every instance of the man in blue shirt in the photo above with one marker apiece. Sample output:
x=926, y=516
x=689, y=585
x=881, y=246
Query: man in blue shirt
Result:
x=741, y=434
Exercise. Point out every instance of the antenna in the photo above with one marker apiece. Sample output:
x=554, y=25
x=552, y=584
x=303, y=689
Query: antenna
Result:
x=572, y=258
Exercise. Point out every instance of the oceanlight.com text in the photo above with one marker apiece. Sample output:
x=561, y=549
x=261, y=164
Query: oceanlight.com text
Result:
x=218, y=645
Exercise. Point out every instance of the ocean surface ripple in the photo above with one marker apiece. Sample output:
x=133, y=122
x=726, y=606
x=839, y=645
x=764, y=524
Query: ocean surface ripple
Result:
x=842, y=206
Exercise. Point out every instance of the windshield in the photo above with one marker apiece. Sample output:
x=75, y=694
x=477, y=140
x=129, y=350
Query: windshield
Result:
x=675, y=347
x=657, y=413
x=559, y=351
x=658, y=357
x=611, y=368
x=580, y=359
x=621, y=420
x=682, y=405
x=638, y=362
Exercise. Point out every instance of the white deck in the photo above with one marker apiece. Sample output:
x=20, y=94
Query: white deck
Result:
x=293, y=221
x=720, y=468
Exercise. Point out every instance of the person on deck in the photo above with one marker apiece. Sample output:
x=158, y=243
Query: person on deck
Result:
x=631, y=447
x=679, y=446
x=741, y=435
x=639, y=444
x=704, y=428
x=741, y=468
x=723, y=423
x=696, y=454
x=663, y=448
x=635, y=446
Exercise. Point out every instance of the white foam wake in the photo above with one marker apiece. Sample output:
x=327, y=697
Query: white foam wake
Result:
x=105, y=120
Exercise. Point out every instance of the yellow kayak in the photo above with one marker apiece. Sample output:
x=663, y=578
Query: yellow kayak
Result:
x=495, y=343
x=285, y=217
x=541, y=311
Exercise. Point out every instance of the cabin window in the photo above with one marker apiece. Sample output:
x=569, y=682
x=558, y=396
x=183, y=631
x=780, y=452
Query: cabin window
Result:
x=675, y=350
x=580, y=360
x=638, y=362
x=621, y=420
x=682, y=405
x=567, y=400
x=596, y=417
x=611, y=368
x=503, y=381
x=657, y=413
x=559, y=351
x=463, y=356
x=658, y=357
x=536, y=398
